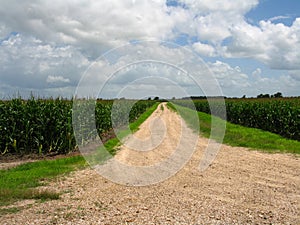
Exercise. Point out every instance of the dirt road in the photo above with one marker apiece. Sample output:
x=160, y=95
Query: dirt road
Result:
x=240, y=187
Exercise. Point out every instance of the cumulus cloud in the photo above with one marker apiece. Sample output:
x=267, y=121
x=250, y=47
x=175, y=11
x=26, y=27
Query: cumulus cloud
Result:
x=204, y=49
x=47, y=45
x=100, y=25
x=27, y=62
x=277, y=45
x=140, y=61
x=237, y=6
x=92, y=25
x=213, y=19
x=231, y=79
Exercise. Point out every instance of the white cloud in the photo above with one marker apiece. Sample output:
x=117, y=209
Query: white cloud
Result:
x=213, y=19
x=98, y=26
x=27, y=62
x=93, y=25
x=256, y=73
x=204, y=49
x=47, y=45
x=212, y=28
x=277, y=45
x=278, y=18
x=135, y=62
x=232, y=80
x=237, y=6
x=57, y=79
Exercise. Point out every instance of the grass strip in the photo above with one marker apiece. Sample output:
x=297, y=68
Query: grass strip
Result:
x=236, y=135
x=20, y=182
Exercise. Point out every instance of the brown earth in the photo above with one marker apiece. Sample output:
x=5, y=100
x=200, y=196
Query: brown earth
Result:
x=239, y=187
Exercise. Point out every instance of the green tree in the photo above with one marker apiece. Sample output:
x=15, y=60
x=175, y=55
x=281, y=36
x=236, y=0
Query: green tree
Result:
x=278, y=95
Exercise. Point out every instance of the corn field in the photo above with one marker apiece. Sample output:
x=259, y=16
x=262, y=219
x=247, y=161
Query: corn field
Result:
x=280, y=116
x=45, y=126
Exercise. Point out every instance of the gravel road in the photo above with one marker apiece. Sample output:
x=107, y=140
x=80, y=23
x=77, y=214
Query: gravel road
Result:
x=240, y=187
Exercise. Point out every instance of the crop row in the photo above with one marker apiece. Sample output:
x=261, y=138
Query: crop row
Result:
x=45, y=126
x=280, y=116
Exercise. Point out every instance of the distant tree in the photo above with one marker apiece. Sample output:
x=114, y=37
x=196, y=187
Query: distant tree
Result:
x=278, y=95
x=263, y=96
x=260, y=96
x=156, y=98
x=149, y=98
x=244, y=96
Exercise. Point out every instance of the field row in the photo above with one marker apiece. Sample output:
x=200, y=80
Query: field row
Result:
x=280, y=116
x=45, y=126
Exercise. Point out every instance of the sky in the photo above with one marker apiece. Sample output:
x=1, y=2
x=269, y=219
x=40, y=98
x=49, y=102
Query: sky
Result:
x=140, y=48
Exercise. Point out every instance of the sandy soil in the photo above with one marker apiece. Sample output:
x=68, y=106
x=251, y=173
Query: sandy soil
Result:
x=239, y=187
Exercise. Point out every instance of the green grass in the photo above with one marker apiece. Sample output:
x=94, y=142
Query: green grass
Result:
x=20, y=182
x=135, y=125
x=171, y=107
x=236, y=135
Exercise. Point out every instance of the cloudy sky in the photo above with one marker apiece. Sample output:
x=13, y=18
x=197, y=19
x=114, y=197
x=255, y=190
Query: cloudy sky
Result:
x=249, y=46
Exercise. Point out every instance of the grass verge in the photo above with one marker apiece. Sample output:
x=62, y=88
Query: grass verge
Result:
x=20, y=182
x=236, y=135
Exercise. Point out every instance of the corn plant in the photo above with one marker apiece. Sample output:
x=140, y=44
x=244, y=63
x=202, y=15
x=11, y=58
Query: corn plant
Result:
x=280, y=116
x=45, y=126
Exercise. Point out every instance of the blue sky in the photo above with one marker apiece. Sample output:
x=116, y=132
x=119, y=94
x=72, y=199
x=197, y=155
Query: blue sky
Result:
x=250, y=47
x=267, y=9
